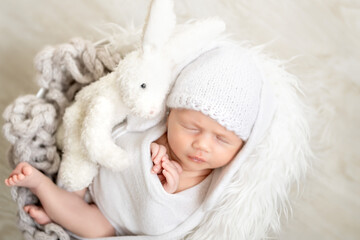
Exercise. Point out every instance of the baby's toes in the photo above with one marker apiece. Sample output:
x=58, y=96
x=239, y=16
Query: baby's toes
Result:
x=32, y=210
x=15, y=178
x=7, y=182
x=38, y=214
x=26, y=171
x=27, y=208
x=11, y=181
x=20, y=177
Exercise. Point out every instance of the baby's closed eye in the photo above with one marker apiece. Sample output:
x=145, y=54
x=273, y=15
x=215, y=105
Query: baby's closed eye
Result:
x=190, y=128
x=223, y=139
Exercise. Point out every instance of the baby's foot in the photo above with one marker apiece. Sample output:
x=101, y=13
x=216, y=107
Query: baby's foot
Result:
x=38, y=214
x=25, y=175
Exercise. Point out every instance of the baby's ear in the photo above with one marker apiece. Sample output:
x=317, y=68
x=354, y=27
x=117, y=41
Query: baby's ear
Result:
x=159, y=24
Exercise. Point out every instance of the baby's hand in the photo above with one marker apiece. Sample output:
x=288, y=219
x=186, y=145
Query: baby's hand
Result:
x=171, y=173
x=158, y=152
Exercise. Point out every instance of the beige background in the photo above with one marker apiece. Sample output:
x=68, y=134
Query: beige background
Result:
x=324, y=37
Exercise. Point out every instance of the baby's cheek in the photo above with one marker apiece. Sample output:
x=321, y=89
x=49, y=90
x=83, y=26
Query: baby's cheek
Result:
x=224, y=157
x=183, y=142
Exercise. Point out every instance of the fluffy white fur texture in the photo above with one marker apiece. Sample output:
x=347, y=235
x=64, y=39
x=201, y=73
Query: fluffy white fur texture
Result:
x=136, y=90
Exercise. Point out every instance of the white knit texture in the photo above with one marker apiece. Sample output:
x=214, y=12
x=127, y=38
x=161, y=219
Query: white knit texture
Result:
x=223, y=83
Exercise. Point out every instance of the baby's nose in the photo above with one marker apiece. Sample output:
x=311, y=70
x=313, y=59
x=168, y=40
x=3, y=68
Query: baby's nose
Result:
x=202, y=143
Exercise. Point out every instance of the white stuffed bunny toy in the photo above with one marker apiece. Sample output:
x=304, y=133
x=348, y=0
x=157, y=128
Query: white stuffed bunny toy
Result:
x=136, y=90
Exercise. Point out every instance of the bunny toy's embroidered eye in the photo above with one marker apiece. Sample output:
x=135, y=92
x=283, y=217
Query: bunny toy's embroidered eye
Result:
x=143, y=85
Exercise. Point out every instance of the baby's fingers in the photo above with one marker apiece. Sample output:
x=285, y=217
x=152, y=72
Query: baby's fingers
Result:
x=172, y=177
x=170, y=185
x=159, y=155
x=156, y=168
x=154, y=149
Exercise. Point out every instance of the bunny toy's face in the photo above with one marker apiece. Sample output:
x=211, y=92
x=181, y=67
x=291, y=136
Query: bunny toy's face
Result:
x=145, y=81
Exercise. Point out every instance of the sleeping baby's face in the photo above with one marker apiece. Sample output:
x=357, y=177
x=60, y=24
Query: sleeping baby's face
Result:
x=198, y=142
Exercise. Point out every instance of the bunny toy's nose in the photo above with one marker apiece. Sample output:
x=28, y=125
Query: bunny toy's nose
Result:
x=152, y=111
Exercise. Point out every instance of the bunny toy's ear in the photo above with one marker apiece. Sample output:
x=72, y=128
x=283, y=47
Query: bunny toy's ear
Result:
x=159, y=25
x=190, y=40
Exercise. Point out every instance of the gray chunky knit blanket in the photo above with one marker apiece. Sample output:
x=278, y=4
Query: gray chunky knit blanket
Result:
x=31, y=121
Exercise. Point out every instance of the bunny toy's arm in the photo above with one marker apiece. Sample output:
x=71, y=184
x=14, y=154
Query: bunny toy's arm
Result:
x=103, y=112
x=87, y=138
x=76, y=172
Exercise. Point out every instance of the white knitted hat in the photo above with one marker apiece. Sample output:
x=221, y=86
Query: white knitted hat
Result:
x=224, y=84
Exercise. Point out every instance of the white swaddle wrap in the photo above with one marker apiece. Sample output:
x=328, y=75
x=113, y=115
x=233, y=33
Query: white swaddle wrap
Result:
x=134, y=200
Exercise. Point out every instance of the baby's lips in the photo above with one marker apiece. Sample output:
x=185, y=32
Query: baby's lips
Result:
x=197, y=159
